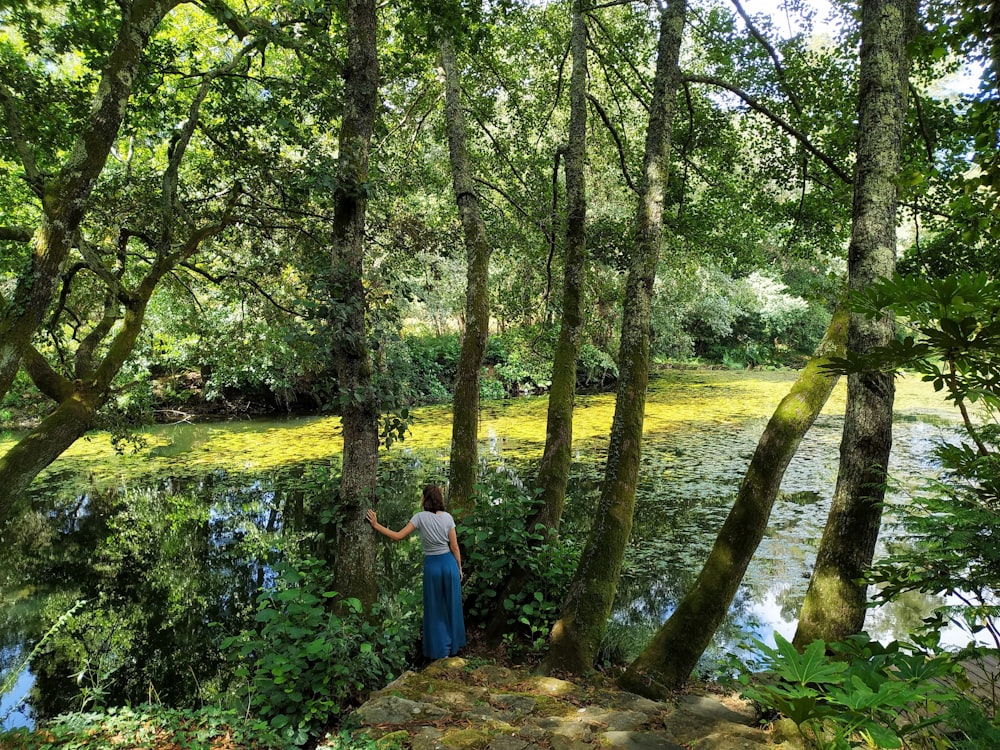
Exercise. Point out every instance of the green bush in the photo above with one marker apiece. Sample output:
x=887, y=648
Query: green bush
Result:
x=313, y=655
x=145, y=726
x=864, y=695
x=496, y=538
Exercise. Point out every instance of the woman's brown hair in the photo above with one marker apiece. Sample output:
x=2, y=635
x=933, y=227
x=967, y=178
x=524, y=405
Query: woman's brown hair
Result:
x=433, y=498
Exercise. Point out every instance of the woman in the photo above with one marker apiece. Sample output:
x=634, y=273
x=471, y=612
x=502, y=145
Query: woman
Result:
x=444, y=629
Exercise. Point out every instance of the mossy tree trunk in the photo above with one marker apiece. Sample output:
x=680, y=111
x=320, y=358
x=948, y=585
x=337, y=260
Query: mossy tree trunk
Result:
x=835, y=602
x=64, y=195
x=553, y=470
x=464, y=462
x=667, y=661
x=354, y=545
x=105, y=349
x=577, y=634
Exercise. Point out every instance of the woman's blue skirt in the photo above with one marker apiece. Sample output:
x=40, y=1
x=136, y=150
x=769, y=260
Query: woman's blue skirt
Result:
x=444, y=628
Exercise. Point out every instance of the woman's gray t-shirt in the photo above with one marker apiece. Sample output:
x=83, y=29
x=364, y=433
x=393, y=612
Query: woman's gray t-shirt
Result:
x=433, y=528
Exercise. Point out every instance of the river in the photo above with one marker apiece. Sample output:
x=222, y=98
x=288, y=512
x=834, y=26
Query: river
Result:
x=701, y=428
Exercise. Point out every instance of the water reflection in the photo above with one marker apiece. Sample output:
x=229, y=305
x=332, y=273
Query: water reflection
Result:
x=176, y=539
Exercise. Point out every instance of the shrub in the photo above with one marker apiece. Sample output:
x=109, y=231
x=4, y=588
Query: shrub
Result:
x=496, y=538
x=314, y=655
x=864, y=695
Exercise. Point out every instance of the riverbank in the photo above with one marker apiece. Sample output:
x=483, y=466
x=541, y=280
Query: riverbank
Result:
x=459, y=704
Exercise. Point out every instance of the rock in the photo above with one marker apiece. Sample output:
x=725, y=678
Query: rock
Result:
x=493, y=674
x=466, y=739
x=426, y=738
x=532, y=733
x=560, y=742
x=391, y=709
x=787, y=735
x=506, y=742
x=539, y=713
x=616, y=721
x=632, y=702
x=392, y=740
x=484, y=714
x=638, y=741
x=396, y=684
x=549, y=686
x=441, y=667
x=709, y=707
x=726, y=741
x=577, y=729
x=520, y=705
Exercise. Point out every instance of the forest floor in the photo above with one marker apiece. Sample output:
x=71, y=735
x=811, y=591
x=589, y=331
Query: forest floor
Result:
x=459, y=704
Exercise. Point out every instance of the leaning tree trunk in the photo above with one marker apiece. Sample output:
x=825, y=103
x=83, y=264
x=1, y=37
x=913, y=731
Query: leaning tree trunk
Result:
x=354, y=546
x=465, y=416
x=80, y=395
x=577, y=634
x=667, y=661
x=553, y=471
x=64, y=196
x=835, y=602
x=78, y=401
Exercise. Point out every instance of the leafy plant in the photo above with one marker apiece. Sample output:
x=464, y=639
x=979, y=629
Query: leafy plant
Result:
x=146, y=726
x=314, y=655
x=8, y=680
x=864, y=695
x=496, y=538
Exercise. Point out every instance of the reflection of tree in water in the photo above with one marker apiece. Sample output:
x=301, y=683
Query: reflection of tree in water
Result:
x=159, y=567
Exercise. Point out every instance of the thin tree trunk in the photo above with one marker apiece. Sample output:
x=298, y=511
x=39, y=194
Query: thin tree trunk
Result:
x=835, y=602
x=354, y=546
x=667, y=661
x=465, y=416
x=553, y=471
x=577, y=634
x=64, y=197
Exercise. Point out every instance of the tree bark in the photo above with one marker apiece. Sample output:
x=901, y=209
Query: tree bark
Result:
x=64, y=197
x=553, y=471
x=354, y=546
x=79, y=399
x=78, y=403
x=667, y=661
x=464, y=464
x=835, y=602
x=577, y=634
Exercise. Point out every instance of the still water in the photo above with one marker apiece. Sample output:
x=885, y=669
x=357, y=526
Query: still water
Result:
x=211, y=492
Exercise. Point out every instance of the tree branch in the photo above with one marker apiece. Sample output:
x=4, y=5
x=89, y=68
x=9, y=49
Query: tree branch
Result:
x=928, y=141
x=15, y=128
x=46, y=379
x=16, y=234
x=757, y=106
x=241, y=280
x=617, y=139
x=772, y=53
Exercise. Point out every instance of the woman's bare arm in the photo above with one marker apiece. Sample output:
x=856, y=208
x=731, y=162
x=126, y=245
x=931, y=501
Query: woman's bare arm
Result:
x=386, y=531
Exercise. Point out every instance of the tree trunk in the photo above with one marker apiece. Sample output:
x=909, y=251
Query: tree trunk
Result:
x=354, y=546
x=577, y=634
x=835, y=602
x=553, y=471
x=64, y=197
x=667, y=661
x=464, y=463
x=78, y=402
